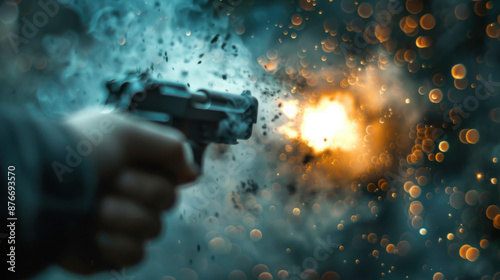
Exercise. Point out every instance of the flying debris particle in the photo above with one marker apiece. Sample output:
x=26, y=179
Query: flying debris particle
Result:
x=365, y=10
x=391, y=249
x=414, y=6
x=292, y=189
x=297, y=19
x=416, y=208
x=265, y=276
x=457, y=200
x=484, y=243
x=283, y=274
x=492, y=211
x=438, y=276
x=462, y=11
x=249, y=187
x=316, y=208
x=444, y=146
x=215, y=39
x=458, y=71
x=259, y=269
x=307, y=159
x=237, y=275
x=235, y=203
x=255, y=235
x=415, y=191
x=217, y=245
x=493, y=30
x=472, y=254
x=435, y=95
x=463, y=251
x=472, y=136
x=496, y=221
x=403, y=248
x=427, y=21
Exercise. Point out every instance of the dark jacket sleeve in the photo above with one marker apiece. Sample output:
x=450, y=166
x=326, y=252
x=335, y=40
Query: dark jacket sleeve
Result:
x=54, y=191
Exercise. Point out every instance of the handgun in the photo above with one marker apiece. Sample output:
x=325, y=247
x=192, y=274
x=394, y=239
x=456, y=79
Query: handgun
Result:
x=203, y=116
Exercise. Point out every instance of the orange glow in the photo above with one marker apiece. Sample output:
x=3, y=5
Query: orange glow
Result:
x=290, y=109
x=327, y=127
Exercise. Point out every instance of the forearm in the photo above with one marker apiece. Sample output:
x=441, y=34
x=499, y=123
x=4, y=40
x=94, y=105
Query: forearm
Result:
x=54, y=190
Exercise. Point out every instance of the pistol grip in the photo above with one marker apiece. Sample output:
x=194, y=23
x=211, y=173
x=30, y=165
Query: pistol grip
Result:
x=198, y=151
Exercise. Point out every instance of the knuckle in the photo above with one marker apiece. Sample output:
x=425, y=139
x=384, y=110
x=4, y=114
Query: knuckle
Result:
x=177, y=149
x=152, y=229
x=158, y=189
x=158, y=193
